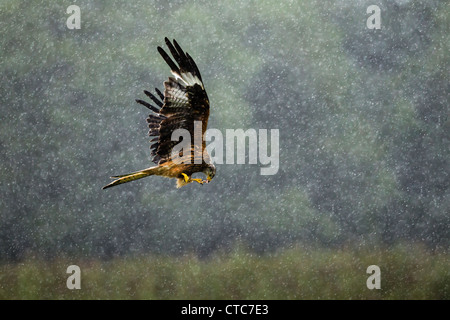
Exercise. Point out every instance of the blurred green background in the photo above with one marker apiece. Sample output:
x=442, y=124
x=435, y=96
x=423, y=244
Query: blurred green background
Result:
x=364, y=150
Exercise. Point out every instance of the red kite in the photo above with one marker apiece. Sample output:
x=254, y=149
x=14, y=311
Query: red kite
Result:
x=183, y=102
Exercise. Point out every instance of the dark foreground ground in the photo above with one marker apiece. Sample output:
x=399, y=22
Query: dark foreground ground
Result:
x=407, y=272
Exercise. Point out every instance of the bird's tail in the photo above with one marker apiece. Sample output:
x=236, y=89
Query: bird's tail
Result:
x=131, y=177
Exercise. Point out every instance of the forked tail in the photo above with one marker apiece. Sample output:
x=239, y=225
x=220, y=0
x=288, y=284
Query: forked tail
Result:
x=131, y=177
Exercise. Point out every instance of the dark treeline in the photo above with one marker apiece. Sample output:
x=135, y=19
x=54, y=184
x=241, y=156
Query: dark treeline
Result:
x=362, y=114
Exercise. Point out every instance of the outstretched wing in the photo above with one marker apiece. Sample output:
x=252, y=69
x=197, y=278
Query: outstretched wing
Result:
x=183, y=102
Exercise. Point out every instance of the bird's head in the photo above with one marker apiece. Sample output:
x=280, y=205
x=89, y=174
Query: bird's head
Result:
x=210, y=172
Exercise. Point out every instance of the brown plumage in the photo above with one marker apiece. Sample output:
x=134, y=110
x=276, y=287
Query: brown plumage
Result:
x=183, y=103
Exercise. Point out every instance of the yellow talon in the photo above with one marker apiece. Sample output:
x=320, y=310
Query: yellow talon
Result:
x=187, y=179
x=198, y=180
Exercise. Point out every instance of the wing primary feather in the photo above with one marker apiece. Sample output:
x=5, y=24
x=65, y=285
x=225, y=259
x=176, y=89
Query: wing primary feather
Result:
x=153, y=126
x=159, y=94
x=169, y=61
x=155, y=100
x=174, y=52
x=148, y=105
x=183, y=61
x=194, y=66
x=156, y=118
x=179, y=56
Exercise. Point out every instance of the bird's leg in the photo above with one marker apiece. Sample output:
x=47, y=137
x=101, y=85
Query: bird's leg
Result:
x=187, y=179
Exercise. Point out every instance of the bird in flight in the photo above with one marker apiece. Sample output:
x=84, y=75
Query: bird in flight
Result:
x=183, y=105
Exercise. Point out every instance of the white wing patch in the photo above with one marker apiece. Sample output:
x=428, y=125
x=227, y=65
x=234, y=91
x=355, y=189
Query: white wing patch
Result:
x=188, y=78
